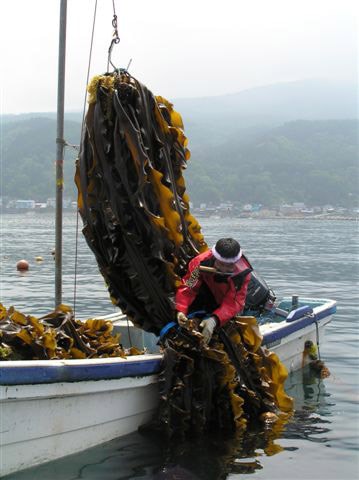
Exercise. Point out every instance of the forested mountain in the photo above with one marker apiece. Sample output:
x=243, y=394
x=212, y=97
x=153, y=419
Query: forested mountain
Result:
x=315, y=162
x=282, y=143
x=28, y=158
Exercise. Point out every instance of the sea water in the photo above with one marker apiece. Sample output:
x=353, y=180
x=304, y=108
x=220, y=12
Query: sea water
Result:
x=315, y=258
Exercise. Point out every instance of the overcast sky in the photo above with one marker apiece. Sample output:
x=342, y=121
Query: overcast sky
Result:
x=187, y=48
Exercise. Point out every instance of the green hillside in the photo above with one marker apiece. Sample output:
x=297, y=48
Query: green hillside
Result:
x=315, y=162
x=28, y=158
x=247, y=147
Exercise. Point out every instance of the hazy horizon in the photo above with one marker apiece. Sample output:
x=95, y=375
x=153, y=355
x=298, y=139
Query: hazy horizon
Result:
x=309, y=83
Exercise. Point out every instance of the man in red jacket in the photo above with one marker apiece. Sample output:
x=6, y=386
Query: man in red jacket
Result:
x=216, y=282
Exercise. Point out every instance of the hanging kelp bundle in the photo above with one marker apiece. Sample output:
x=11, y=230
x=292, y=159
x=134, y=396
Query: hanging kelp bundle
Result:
x=136, y=217
x=55, y=336
x=220, y=387
x=132, y=197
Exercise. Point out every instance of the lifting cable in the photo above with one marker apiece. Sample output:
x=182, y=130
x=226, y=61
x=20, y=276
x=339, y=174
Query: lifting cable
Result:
x=115, y=41
x=81, y=139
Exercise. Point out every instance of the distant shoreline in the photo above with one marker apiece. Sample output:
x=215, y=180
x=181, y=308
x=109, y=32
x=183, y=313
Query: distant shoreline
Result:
x=218, y=217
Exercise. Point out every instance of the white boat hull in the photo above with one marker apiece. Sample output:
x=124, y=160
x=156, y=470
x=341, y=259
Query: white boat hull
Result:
x=290, y=350
x=289, y=346
x=50, y=409
x=40, y=423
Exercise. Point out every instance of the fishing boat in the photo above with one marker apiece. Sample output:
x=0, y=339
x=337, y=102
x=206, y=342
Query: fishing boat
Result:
x=54, y=408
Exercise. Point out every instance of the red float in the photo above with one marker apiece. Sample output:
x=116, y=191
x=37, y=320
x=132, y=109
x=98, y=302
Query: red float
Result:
x=22, y=265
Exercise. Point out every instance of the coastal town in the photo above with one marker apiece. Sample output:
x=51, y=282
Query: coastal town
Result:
x=293, y=210
x=204, y=210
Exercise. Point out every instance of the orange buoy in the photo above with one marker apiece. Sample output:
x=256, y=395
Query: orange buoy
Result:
x=22, y=265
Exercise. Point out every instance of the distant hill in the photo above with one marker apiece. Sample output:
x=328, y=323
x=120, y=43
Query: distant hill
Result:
x=212, y=119
x=307, y=99
x=28, y=158
x=281, y=143
x=315, y=162
x=260, y=106
x=7, y=118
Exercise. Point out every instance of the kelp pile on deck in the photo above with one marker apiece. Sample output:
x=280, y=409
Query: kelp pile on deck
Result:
x=132, y=199
x=55, y=336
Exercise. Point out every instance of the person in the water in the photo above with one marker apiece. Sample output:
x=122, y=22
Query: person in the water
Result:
x=216, y=282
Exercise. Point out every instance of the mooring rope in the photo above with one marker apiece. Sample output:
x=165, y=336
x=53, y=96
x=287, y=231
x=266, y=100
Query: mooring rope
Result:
x=317, y=336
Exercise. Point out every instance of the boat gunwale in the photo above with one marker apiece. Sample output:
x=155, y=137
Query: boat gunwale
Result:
x=275, y=331
x=35, y=372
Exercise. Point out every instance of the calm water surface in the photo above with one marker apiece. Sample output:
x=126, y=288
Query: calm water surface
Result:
x=306, y=257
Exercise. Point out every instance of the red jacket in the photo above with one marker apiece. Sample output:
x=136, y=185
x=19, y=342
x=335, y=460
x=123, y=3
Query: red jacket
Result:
x=230, y=295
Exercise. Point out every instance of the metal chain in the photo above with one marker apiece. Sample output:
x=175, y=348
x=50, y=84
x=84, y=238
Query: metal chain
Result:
x=115, y=40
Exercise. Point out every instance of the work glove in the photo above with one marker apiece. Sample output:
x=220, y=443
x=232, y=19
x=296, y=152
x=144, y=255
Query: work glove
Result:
x=182, y=319
x=208, y=325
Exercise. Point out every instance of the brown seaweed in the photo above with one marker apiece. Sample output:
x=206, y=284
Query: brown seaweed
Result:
x=132, y=198
x=135, y=210
x=219, y=387
x=55, y=336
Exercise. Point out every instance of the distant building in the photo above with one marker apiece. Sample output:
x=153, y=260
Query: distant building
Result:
x=24, y=204
x=287, y=209
x=66, y=202
x=307, y=211
x=328, y=208
x=225, y=209
x=298, y=206
x=295, y=207
x=256, y=207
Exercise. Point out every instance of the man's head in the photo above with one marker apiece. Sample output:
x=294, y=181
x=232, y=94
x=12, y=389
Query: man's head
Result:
x=226, y=252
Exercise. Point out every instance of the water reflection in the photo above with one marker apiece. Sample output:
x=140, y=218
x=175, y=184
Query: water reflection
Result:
x=214, y=457
x=311, y=407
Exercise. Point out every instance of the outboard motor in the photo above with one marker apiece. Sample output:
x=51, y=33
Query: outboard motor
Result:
x=259, y=294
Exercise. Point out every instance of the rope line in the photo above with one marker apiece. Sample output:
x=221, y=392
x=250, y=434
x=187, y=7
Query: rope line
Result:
x=88, y=72
x=76, y=253
x=79, y=148
x=129, y=331
x=75, y=147
x=317, y=332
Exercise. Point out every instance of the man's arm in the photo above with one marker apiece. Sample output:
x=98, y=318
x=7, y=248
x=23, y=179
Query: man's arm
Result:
x=190, y=285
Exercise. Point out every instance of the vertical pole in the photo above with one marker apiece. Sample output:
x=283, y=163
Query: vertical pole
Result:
x=60, y=153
